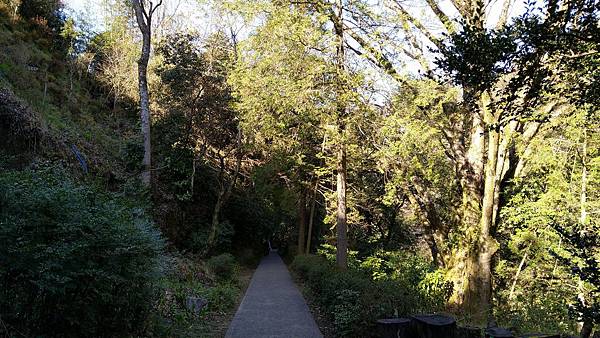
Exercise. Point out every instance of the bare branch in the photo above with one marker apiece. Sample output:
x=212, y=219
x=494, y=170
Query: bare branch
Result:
x=504, y=14
x=446, y=21
x=378, y=58
x=417, y=24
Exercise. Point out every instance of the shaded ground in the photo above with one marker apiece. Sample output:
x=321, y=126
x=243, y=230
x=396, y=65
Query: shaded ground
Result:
x=273, y=306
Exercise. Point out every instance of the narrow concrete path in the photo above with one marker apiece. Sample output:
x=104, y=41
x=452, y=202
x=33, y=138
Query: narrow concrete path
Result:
x=273, y=306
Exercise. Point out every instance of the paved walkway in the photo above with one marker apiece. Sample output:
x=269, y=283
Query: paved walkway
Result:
x=273, y=306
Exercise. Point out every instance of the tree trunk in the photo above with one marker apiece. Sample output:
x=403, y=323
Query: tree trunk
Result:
x=464, y=262
x=301, y=222
x=341, y=223
x=487, y=245
x=144, y=20
x=588, y=325
x=145, y=116
x=225, y=189
x=427, y=217
x=519, y=269
x=503, y=165
x=583, y=196
x=586, y=329
x=214, y=225
x=341, y=226
x=311, y=217
x=215, y=220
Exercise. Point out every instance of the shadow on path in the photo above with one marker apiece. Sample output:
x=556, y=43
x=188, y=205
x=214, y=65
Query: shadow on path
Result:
x=273, y=306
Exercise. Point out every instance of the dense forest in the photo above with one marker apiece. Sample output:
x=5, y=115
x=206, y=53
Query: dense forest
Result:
x=404, y=156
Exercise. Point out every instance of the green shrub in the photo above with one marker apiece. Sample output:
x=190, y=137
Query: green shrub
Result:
x=222, y=241
x=329, y=251
x=347, y=312
x=73, y=262
x=435, y=289
x=371, y=289
x=222, y=297
x=222, y=266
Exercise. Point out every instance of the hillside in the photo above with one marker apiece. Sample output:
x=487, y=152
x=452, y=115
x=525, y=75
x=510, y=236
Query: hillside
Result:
x=63, y=103
x=63, y=141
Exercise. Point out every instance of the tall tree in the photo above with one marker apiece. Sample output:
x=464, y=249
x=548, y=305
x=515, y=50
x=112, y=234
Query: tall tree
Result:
x=341, y=164
x=502, y=105
x=329, y=20
x=194, y=76
x=283, y=92
x=143, y=14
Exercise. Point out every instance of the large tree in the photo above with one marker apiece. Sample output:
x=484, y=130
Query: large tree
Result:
x=487, y=131
x=489, y=95
x=144, y=10
x=198, y=109
x=281, y=87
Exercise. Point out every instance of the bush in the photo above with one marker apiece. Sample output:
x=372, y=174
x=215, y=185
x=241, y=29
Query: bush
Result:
x=435, y=289
x=222, y=266
x=370, y=290
x=73, y=262
x=187, y=278
x=222, y=297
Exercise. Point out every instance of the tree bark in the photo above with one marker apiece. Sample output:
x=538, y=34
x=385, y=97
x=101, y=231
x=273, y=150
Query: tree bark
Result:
x=341, y=221
x=464, y=262
x=586, y=329
x=341, y=226
x=311, y=217
x=429, y=219
x=588, y=324
x=583, y=195
x=519, y=269
x=218, y=204
x=215, y=220
x=225, y=190
x=487, y=245
x=144, y=20
x=503, y=164
x=301, y=222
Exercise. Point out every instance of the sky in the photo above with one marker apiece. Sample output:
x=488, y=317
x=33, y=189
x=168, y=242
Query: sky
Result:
x=188, y=9
x=186, y=12
x=189, y=15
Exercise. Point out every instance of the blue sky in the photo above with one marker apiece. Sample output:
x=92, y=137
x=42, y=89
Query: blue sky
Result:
x=186, y=11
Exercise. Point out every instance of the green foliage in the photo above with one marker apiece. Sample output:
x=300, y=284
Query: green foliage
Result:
x=222, y=297
x=222, y=266
x=436, y=289
x=537, y=307
x=477, y=58
x=49, y=10
x=328, y=251
x=355, y=298
x=548, y=262
x=64, y=96
x=195, y=86
x=74, y=262
x=189, y=277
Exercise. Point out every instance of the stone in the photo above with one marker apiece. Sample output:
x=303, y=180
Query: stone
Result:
x=195, y=304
